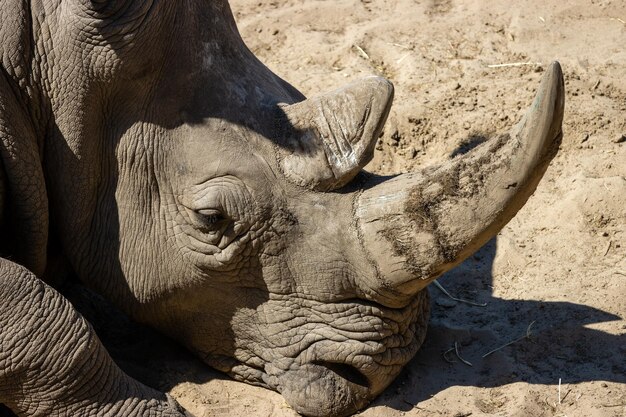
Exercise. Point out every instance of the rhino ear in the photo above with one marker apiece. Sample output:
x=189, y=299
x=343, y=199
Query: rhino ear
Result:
x=23, y=198
x=332, y=136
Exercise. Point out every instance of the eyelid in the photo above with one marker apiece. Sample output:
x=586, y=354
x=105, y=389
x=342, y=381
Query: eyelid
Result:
x=209, y=212
x=204, y=206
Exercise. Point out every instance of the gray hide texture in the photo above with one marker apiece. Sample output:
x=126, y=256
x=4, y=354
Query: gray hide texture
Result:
x=149, y=155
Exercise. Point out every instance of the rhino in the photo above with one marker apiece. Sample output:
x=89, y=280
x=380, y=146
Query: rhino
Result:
x=147, y=153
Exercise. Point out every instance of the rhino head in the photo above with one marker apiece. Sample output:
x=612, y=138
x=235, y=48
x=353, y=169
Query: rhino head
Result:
x=205, y=196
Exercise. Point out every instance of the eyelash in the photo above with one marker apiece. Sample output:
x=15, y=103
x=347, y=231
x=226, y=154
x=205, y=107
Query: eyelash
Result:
x=211, y=217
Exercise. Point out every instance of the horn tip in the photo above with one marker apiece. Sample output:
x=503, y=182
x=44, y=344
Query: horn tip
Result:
x=555, y=76
x=555, y=68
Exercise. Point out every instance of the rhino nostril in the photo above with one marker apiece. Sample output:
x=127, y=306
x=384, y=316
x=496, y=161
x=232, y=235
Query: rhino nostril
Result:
x=347, y=372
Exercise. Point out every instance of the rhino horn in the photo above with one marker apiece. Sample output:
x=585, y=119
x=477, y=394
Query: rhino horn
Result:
x=332, y=136
x=416, y=226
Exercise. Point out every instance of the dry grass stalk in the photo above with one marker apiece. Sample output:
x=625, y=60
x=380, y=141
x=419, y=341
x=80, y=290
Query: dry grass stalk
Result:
x=361, y=52
x=526, y=336
x=514, y=64
x=458, y=355
x=445, y=355
x=399, y=45
x=403, y=58
x=460, y=300
x=566, y=394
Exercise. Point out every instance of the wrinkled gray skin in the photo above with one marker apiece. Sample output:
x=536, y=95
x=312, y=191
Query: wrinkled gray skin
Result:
x=148, y=153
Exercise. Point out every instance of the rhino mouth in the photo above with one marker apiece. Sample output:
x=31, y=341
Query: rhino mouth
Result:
x=323, y=388
x=348, y=372
x=331, y=371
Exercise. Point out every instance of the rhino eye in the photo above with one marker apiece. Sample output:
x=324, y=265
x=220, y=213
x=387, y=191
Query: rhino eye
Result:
x=211, y=217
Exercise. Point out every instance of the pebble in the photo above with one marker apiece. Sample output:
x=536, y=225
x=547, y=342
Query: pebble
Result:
x=621, y=139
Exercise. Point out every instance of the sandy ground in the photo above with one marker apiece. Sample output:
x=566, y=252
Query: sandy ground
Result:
x=554, y=279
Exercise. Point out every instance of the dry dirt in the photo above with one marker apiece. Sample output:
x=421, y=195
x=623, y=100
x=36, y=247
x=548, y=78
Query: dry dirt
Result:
x=560, y=265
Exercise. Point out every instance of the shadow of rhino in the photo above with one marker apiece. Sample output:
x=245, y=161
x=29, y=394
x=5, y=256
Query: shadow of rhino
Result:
x=560, y=346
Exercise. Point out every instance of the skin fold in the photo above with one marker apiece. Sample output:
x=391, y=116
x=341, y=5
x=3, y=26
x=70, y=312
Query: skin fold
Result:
x=52, y=362
x=148, y=154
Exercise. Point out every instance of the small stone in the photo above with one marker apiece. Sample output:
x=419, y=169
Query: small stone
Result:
x=605, y=234
x=604, y=385
x=585, y=138
x=621, y=139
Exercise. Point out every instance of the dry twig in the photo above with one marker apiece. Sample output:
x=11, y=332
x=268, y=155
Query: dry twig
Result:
x=566, y=394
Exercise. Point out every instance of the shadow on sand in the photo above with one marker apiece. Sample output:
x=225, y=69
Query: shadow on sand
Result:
x=559, y=346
